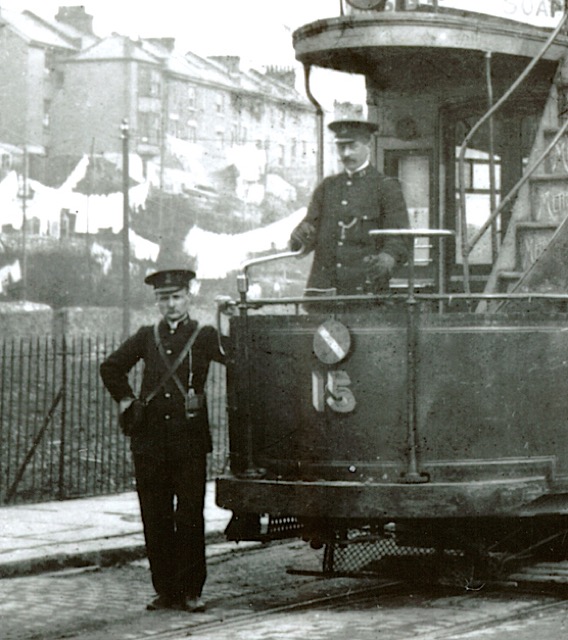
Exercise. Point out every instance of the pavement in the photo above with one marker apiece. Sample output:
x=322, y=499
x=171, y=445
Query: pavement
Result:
x=103, y=530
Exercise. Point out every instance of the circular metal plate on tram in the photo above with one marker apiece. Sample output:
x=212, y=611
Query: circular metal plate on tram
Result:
x=332, y=342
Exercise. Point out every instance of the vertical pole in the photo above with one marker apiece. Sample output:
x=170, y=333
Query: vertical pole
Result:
x=125, y=232
x=320, y=118
x=412, y=475
x=63, y=434
x=492, y=188
x=24, y=225
x=90, y=291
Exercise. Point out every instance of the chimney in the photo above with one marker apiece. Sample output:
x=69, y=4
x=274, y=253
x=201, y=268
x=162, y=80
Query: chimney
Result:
x=77, y=18
x=286, y=75
x=231, y=63
x=342, y=110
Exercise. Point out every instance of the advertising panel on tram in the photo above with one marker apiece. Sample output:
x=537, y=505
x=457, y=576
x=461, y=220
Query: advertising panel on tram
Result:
x=544, y=13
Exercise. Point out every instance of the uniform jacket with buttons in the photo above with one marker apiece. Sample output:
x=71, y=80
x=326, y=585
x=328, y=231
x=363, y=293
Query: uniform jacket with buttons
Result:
x=343, y=210
x=167, y=432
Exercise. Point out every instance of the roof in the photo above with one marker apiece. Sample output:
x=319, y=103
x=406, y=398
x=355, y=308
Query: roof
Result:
x=35, y=30
x=75, y=36
x=115, y=47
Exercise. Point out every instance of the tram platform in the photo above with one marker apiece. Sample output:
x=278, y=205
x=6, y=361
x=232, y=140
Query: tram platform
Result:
x=102, y=530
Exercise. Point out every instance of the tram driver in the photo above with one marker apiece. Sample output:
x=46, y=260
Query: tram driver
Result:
x=343, y=209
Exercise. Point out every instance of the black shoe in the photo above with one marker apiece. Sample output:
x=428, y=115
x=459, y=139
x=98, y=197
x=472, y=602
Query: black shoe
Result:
x=162, y=602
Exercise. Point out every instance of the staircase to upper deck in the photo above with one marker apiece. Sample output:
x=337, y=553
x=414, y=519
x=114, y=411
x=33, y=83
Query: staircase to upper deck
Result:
x=533, y=256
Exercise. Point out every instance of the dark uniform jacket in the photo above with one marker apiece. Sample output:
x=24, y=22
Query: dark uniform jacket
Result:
x=167, y=433
x=343, y=210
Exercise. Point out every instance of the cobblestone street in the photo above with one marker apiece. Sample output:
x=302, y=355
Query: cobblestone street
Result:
x=50, y=605
x=89, y=602
x=251, y=596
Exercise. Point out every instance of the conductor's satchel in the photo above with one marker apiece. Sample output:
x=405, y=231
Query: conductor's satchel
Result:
x=132, y=419
x=194, y=403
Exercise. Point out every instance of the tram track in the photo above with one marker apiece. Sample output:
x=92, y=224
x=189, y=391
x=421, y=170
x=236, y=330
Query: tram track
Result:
x=352, y=596
x=362, y=601
x=254, y=594
x=491, y=622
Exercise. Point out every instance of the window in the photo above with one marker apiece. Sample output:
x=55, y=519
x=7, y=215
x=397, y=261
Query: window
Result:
x=191, y=98
x=149, y=127
x=149, y=84
x=219, y=103
x=173, y=125
x=46, y=110
x=49, y=61
x=412, y=168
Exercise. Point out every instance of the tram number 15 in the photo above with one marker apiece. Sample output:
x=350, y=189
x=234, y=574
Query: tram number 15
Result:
x=334, y=392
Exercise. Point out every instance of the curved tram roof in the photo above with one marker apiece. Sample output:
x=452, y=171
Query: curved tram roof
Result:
x=395, y=48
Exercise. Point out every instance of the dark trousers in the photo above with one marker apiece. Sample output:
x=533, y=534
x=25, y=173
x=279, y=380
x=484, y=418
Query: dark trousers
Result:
x=172, y=496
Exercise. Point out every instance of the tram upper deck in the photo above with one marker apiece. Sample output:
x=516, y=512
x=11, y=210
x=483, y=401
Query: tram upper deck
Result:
x=471, y=115
x=449, y=41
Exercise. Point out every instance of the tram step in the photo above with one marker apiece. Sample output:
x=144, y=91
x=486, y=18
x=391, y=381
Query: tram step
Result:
x=555, y=161
x=543, y=572
x=532, y=239
x=528, y=225
x=548, y=198
x=508, y=279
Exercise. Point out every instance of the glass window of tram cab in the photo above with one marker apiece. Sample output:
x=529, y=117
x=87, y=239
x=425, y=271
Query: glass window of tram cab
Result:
x=419, y=142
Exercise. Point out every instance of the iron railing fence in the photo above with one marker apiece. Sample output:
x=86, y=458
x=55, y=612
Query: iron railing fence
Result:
x=59, y=434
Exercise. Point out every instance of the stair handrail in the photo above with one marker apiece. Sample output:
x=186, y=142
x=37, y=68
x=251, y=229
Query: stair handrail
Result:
x=522, y=180
x=466, y=247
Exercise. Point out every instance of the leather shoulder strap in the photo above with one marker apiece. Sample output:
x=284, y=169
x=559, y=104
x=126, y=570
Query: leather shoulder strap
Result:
x=171, y=369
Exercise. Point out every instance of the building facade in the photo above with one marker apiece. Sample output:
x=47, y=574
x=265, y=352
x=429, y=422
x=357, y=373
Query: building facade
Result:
x=189, y=119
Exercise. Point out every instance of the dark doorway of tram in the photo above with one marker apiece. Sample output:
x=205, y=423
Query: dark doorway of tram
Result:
x=514, y=133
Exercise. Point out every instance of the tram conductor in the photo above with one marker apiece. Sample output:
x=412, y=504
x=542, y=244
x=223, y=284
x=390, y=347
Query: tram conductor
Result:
x=169, y=437
x=342, y=211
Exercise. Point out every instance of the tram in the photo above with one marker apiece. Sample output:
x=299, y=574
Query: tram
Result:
x=431, y=421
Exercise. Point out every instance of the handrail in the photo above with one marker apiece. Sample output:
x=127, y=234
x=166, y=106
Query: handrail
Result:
x=465, y=246
x=242, y=276
x=395, y=297
x=522, y=180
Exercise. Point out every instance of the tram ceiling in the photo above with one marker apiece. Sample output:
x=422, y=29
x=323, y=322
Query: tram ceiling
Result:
x=419, y=68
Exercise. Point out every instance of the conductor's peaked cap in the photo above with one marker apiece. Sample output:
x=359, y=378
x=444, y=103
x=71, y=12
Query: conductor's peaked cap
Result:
x=347, y=130
x=170, y=279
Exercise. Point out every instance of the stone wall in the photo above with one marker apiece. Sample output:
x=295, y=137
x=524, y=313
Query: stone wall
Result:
x=26, y=319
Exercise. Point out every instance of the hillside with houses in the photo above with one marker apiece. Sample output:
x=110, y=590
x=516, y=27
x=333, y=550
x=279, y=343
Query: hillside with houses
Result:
x=215, y=162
